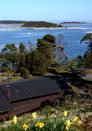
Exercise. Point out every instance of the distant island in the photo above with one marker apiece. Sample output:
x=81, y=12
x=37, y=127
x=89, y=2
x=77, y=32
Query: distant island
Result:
x=41, y=24
x=11, y=22
x=27, y=23
x=36, y=24
x=74, y=22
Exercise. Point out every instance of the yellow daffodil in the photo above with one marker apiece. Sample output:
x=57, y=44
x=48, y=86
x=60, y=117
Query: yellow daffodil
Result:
x=67, y=128
x=37, y=124
x=65, y=113
x=40, y=125
x=75, y=119
x=15, y=119
x=68, y=123
x=79, y=123
x=26, y=127
x=34, y=115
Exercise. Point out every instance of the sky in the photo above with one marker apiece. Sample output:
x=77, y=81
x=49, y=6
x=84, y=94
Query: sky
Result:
x=46, y=10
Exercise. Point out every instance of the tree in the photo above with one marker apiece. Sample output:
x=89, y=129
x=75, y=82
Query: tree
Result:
x=21, y=57
x=22, y=48
x=49, y=38
x=37, y=63
x=61, y=44
x=24, y=72
x=9, y=54
x=87, y=58
x=45, y=46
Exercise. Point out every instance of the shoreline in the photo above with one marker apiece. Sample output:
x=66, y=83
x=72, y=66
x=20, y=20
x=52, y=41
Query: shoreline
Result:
x=64, y=27
x=14, y=27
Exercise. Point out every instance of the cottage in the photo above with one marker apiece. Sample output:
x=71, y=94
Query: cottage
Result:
x=26, y=95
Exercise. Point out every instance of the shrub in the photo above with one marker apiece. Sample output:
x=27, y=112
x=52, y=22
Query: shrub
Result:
x=3, y=69
x=38, y=63
x=24, y=72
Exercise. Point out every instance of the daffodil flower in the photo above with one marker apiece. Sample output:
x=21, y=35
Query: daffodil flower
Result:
x=79, y=123
x=75, y=119
x=37, y=124
x=68, y=123
x=34, y=115
x=40, y=125
x=15, y=119
x=67, y=128
x=26, y=127
x=65, y=113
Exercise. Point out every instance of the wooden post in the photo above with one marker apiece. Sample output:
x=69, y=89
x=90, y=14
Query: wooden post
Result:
x=8, y=86
x=8, y=92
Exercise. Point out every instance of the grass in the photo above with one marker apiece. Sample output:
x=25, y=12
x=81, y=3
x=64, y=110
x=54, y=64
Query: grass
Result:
x=15, y=77
x=52, y=116
x=54, y=122
x=76, y=105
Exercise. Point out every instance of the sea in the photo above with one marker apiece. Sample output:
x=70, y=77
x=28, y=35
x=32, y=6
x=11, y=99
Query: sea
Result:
x=13, y=33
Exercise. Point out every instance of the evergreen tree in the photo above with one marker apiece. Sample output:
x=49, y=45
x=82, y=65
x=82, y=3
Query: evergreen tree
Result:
x=37, y=63
x=22, y=48
x=87, y=58
x=9, y=55
x=45, y=46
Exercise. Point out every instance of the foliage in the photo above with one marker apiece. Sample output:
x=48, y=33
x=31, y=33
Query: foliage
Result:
x=45, y=46
x=73, y=63
x=49, y=38
x=87, y=38
x=22, y=48
x=11, y=22
x=36, y=62
x=55, y=123
x=9, y=55
x=86, y=61
x=20, y=62
x=40, y=24
x=24, y=72
x=61, y=55
x=37, y=66
x=3, y=69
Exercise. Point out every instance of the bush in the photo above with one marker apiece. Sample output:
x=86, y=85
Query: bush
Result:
x=38, y=64
x=24, y=72
x=3, y=69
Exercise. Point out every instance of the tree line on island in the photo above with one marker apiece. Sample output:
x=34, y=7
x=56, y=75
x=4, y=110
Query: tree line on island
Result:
x=40, y=24
x=38, y=61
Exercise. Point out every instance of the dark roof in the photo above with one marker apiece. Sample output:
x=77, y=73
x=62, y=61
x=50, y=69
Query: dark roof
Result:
x=4, y=104
x=30, y=88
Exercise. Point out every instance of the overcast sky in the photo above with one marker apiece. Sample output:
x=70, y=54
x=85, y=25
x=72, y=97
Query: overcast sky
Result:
x=46, y=10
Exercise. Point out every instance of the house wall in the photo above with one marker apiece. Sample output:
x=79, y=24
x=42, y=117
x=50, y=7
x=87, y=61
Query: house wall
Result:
x=28, y=105
x=4, y=115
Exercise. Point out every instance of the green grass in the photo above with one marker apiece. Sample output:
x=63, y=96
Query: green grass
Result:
x=50, y=124
x=15, y=77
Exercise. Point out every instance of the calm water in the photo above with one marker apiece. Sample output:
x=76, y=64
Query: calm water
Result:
x=71, y=36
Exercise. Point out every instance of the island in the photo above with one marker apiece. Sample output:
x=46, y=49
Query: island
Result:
x=40, y=24
x=11, y=22
x=74, y=22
